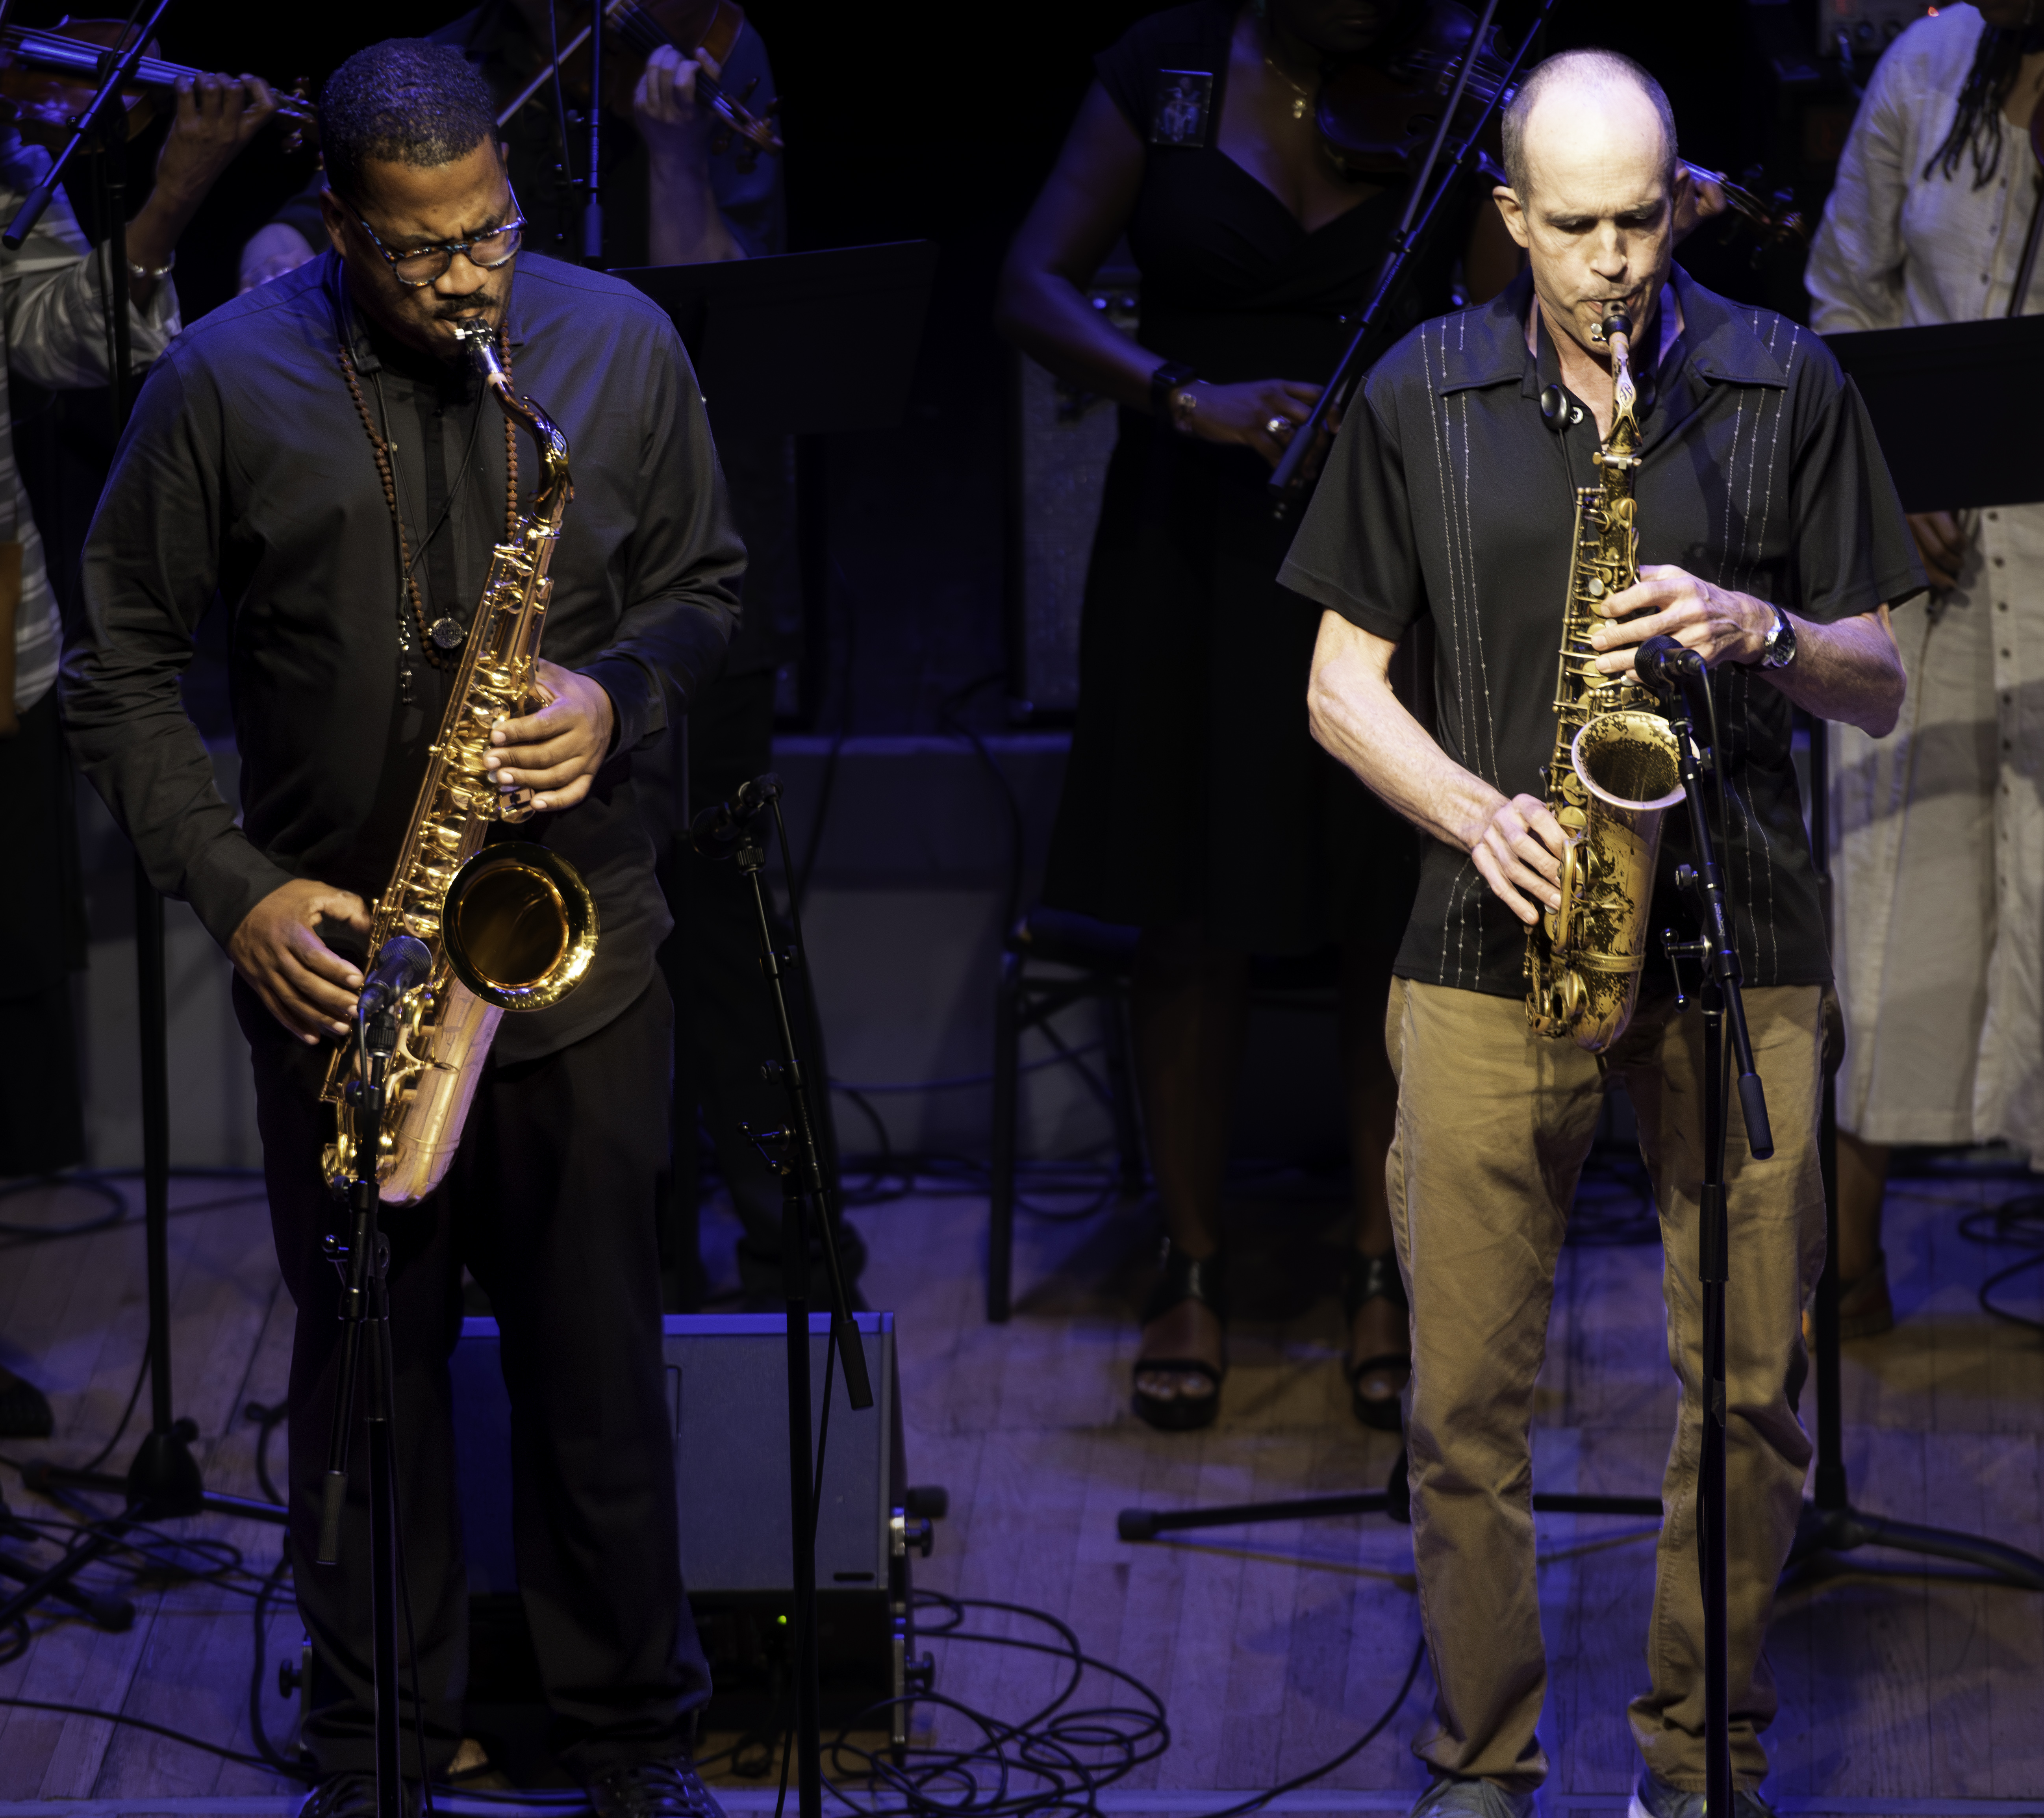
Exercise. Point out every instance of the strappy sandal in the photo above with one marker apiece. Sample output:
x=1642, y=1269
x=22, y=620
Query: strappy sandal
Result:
x=1183, y=1278
x=1373, y=1278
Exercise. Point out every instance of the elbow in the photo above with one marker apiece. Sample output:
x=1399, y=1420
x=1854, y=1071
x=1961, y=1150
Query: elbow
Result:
x=1881, y=706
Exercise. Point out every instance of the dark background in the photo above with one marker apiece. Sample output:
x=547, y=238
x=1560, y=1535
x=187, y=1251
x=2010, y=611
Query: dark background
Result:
x=938, y=122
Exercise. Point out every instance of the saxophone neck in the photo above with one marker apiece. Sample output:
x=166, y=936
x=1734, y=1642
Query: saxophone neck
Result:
x=1617, y=335
x=551, y=501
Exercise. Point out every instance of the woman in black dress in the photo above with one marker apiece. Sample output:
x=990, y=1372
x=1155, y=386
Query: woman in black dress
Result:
x=1196, y=807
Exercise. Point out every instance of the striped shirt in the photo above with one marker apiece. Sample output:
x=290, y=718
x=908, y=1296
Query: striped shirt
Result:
x=53, y=331
x=1449, y=496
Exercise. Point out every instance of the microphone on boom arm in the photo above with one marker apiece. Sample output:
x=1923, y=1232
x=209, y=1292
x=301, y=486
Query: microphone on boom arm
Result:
x=721, y=829
x=1663, y=666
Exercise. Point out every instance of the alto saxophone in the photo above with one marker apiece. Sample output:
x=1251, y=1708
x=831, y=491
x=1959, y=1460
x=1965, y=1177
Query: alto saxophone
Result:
x=511, y=926
x=1615, y=770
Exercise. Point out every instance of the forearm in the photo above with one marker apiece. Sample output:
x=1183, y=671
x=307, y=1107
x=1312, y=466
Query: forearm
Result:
x=1051, y=318
x=1358, y=720
x=1850, y=670
x=153, y=236
x=684, y=226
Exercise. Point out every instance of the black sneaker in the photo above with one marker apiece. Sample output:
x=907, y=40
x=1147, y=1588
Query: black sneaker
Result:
x=351, y=1796
x=670, y=1789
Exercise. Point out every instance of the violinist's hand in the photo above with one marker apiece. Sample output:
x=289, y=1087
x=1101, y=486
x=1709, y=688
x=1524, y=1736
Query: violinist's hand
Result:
x=1941, y=540
x=1697, y=200
x=664, y=110
x=1244, y=413
x=217, y=115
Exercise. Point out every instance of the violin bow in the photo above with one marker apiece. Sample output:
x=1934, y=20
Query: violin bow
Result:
x=1287, y=482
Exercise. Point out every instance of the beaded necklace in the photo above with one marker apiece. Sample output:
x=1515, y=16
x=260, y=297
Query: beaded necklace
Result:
x=442, y=639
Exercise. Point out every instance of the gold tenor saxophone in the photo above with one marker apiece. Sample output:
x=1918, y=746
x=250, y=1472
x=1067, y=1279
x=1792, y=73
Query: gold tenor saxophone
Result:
x=1615, y=769
x=511, y=926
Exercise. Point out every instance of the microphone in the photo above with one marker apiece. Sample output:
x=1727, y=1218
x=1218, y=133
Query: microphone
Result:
x=1663, y=666
x=404, y=962
x=715, y=832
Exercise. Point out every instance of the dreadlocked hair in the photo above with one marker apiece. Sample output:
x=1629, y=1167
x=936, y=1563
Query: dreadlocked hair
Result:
x=1997, y=60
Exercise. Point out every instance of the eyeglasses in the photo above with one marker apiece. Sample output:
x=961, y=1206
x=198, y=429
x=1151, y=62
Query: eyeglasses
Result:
x=490, y=250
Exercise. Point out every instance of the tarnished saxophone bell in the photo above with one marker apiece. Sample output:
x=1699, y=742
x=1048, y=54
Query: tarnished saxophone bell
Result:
x=1615, y=770
x=511, y=926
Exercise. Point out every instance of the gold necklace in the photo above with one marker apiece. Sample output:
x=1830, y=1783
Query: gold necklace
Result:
x=1305, y=95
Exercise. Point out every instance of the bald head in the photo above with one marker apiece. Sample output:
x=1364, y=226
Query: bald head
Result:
x=1586, y=108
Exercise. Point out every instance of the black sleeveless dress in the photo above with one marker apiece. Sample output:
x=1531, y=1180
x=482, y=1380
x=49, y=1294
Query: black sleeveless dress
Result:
x=1194, y=790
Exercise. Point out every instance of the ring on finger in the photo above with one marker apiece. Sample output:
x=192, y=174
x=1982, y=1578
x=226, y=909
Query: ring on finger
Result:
x=1281, y=427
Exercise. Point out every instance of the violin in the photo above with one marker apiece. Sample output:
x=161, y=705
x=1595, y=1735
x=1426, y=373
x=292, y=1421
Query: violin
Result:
x=699, y=30
x=1376, y=115
x=48, y=75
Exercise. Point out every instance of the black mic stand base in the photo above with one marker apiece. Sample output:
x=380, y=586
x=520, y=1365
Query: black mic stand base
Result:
x=1844, y=1529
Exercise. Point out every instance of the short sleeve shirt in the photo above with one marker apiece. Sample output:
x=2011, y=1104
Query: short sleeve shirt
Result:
x=1450, y=495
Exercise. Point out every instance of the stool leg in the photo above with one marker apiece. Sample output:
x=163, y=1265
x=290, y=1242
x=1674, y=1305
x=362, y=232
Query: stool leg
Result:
x=1121, y=1085
x=1001, y=1196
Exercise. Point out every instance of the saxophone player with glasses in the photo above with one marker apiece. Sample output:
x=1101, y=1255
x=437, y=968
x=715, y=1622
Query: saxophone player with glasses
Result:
x=1606, y=452
x=464, y=510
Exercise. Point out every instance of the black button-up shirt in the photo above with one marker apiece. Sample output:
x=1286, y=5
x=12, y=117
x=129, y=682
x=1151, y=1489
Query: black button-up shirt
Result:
x=1450, y=495
x=246, y=474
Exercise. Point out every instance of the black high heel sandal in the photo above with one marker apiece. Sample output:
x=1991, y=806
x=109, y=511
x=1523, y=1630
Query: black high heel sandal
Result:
x=1183, y=1278
x=1373, y=1278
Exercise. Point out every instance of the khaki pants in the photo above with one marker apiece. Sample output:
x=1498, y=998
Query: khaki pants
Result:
x=1493, y=1125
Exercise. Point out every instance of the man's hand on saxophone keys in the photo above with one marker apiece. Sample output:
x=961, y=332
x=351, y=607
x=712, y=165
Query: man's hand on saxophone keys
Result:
x=1518, y=851
x=1720, y=625
x=306, y=985
x=554, y=752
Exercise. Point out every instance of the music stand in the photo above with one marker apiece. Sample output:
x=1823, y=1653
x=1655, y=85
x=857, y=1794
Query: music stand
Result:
x=1903, y=374
x=1909, y=377
x=805, y=344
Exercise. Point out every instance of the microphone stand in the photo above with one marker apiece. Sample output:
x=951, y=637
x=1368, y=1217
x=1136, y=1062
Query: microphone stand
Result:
x=592, y=205
x=1831, y=1523
x=733, y=830
x=163, y=1480
x=365, y=1313
x=1723, y=1007
x=1421, y=204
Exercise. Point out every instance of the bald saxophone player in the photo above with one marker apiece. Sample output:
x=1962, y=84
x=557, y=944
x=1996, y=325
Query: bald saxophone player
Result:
x=1450, y=494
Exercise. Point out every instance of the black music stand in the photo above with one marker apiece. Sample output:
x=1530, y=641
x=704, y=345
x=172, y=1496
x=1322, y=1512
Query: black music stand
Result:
x=1909, y=377
x=1904, y=376
x=805, y=344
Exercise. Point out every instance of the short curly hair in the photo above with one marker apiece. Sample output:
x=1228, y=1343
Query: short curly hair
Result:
x=406, y=101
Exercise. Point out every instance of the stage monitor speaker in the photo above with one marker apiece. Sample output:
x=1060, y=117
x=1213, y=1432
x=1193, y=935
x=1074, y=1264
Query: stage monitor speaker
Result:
x=727, y=1396
x=1063, y=436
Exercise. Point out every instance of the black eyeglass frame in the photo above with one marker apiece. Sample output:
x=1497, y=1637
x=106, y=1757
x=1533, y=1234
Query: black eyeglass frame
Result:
x=447, y=248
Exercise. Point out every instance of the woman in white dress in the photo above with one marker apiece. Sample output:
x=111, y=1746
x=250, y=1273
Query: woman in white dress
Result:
x=1939, y=828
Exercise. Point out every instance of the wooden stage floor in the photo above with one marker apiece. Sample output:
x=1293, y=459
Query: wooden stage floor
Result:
x=1904, y=1691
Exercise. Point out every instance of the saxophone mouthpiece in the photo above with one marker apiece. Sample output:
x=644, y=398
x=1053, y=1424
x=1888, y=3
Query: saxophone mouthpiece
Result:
x=1615, y=322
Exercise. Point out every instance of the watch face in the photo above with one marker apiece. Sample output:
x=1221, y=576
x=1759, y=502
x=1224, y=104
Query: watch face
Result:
x=1781, y=642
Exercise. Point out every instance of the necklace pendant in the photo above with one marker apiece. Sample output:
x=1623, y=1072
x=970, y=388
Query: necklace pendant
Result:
x=1299, y=108
x=446, y=633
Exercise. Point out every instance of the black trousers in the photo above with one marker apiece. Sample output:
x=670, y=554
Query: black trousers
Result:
x=550, y=1204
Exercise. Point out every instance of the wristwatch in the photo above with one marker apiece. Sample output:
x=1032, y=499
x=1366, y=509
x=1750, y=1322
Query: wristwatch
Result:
x=1779, y=651
x=1169, y=377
